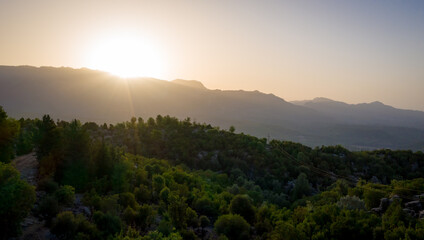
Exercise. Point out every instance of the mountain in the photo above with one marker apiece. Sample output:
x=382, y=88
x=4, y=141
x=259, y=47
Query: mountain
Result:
x=89, y=95
x=189, y=83
x=375, y=113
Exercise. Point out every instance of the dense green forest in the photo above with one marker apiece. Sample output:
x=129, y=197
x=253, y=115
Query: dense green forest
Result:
x=169, y=179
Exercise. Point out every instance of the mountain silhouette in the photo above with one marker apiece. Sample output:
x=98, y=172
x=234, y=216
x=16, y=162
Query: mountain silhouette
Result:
x=90, y=95
x=375, y=113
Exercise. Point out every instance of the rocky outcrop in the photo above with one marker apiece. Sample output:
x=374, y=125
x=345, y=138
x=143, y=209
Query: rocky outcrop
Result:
x=421, y=215
x=412, y=208
x=414, y=205
x=384, y=204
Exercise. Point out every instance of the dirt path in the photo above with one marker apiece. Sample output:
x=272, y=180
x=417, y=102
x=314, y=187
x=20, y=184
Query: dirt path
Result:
x=32, y=227
x=27, y=166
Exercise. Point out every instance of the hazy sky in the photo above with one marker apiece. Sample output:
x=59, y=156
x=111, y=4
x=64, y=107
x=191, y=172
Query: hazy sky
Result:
x=356, y=51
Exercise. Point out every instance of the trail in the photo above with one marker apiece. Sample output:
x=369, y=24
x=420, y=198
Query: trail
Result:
x=32, y=227
x=27, y=166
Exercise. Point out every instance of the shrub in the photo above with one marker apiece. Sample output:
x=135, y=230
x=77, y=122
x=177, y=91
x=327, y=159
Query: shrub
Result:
x=48, y=207
x=242, y=206
x=351, y=203
x=16, y=200
x=66, y=195
x=48, y=185
x=108, y=223
x=68, y=226
x=234, y=227
x=127, y=200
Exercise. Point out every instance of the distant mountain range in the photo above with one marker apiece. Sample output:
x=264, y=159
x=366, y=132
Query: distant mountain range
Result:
x=375, y=113
x=89, y=95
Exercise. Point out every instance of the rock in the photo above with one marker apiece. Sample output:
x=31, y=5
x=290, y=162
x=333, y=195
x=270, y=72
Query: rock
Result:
x=28, y=221
x=414, y=206
x=421, y=215
x=354, y=178
x=395, y=198
x=414, y=167
x=78, y=199
x=289, y=186
x=377, y=210
x=86, y=211
x=409, y=212
x=419, y=197
x=375, y=179
x=40, y=194
x=384, y=204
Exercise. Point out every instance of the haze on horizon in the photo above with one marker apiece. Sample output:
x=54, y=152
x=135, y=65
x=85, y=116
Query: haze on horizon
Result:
x=358, y=51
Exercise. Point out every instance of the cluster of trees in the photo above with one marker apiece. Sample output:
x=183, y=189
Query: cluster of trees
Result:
x=202, y=146
x=16, y=196
x=170, y=179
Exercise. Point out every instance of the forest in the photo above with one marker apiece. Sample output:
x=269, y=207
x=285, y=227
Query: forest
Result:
x=165, y=178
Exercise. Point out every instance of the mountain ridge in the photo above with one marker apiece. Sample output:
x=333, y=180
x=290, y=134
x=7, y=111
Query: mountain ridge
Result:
x=190, y=83
x=374, y=112
x=90, y=95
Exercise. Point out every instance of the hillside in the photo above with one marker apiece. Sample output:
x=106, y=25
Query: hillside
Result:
x=163, y=178
x=89, y=95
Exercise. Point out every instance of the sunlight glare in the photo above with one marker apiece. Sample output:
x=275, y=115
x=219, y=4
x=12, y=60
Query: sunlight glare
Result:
x=127, y=57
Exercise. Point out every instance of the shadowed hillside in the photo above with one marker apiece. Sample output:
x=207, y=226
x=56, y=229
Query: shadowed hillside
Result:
x=89, y=95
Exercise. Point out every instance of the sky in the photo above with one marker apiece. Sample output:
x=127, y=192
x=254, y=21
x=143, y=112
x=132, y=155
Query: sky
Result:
x=351, y=51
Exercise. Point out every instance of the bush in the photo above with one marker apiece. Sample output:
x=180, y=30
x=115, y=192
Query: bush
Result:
x=107, y=223
x=48, y=207
x=16, y=200
x=65, y=226
x=145, y=216
x=68, y=226
x=164, y=194
x=158, y=183
x=204, y=221
x=232, y=226
x=66, y=195
x=188, y=235
x=351, y=203
x=109, y=204
x=242, y=206
x=301, y=187
x=9, y=129
x=48, y=185
x=165, y=227
x=205, y=206
x=142, y=194
x=192, y=219
x=129, y=216
x=127, y=200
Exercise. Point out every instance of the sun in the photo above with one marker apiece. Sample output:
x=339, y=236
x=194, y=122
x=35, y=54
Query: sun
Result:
x=127, y=57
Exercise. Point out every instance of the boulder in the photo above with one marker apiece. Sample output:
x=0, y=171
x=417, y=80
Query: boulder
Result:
x=421, y=215
x=415, y=206
x=375, y=179
x=420, y=196
x=395, y=198
x=384, y=204
x=409, y=212
x=377, y=210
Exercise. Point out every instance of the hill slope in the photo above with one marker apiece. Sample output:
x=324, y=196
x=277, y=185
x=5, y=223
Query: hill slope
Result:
x=89, y=95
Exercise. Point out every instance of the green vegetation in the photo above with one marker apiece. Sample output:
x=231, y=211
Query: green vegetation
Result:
x=16, y=200
x=9, y=129
x=170, y=179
